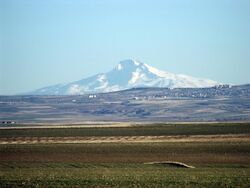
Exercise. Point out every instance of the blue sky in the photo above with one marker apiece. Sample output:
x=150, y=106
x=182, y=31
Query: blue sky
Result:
x=46, y=42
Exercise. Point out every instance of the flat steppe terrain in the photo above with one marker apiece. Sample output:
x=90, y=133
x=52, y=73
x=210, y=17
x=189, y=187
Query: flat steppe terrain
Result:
x=217, y=104
x=121, y=156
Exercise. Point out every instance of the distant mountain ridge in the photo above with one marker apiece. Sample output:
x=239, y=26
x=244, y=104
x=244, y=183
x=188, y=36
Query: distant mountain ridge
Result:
x=126, y=75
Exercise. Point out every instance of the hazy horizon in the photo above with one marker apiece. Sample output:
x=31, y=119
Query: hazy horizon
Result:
x=49, y=42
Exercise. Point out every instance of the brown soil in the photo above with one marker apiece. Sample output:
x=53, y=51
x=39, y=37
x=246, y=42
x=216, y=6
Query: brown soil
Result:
x=126, y=139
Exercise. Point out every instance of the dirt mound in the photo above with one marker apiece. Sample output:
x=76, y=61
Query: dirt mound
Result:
x=170, y=163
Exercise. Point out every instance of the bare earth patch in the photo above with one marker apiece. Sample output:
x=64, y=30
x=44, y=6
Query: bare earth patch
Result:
x=127, y=139
x=170, y=163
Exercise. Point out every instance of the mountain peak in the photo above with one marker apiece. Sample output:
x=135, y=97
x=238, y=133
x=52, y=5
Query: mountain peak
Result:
x=127, y=74
x=128, y=64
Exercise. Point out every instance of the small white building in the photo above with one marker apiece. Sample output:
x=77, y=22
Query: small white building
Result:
x=92, y=96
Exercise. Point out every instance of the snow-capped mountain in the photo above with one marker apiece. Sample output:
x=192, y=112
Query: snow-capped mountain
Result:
x=127, y=74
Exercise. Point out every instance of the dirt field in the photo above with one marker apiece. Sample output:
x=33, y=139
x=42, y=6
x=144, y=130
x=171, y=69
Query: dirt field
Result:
x=126, y=139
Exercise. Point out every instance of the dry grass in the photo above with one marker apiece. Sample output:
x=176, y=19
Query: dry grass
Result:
x=126, y=139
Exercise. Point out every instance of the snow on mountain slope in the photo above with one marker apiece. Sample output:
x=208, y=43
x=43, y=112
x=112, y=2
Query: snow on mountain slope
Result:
x=127, y=74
